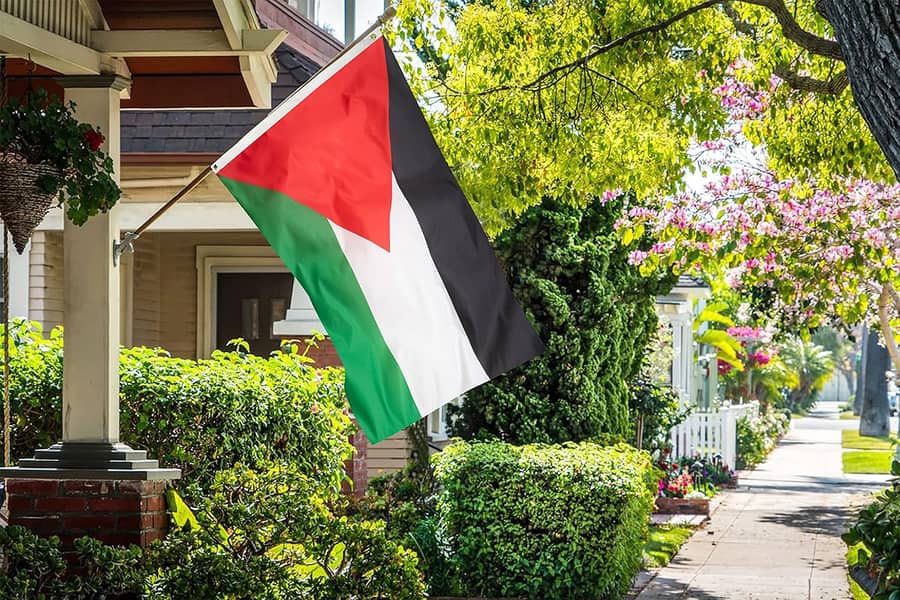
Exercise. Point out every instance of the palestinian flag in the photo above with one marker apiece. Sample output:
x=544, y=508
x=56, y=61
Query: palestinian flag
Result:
x=346, y=182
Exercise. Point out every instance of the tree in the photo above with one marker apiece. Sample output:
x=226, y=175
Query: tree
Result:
x=568, y=97
x=875, y=414
x=595, y=313
x=810, y=366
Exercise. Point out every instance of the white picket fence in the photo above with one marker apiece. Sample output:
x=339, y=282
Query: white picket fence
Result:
x=706, y=434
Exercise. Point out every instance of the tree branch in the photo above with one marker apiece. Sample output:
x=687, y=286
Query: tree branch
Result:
x=656, y=28
x=804, y=83
x=794, y=32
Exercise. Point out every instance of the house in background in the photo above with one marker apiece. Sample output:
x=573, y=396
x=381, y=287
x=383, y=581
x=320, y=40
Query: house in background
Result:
x=203, y=274
x=691, y=375
x=710, y=430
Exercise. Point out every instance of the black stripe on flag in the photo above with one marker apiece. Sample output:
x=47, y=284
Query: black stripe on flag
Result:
x=501, y=336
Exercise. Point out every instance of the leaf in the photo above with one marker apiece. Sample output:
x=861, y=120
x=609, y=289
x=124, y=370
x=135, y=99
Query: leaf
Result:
x=710, y=315
x=181, y=512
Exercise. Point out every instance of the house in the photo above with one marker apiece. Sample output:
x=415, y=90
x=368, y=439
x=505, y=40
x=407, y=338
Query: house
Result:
x=203, y=274
x=109, y=55
x=691, y=377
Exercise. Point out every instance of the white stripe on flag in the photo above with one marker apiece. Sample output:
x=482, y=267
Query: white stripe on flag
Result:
x=413, y=309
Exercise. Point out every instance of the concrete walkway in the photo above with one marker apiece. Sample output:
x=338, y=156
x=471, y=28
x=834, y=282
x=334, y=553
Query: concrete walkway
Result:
x=778, y=535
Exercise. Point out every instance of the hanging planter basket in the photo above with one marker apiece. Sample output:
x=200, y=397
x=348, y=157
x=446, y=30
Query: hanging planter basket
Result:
x=23, y=201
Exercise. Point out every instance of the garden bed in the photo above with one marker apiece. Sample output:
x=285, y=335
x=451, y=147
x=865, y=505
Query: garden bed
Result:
x=682, y=506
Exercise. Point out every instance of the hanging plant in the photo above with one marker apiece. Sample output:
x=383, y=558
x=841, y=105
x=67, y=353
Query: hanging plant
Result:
x=46, y=154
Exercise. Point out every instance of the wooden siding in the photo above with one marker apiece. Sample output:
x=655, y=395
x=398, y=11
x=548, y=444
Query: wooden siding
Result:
x=388, y=456
x=145, y=324
x=45, y=294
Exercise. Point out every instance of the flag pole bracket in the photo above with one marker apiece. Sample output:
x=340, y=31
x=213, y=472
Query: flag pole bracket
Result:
x=123, y=245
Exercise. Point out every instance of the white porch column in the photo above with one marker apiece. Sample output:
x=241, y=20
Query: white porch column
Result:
x=91, y=288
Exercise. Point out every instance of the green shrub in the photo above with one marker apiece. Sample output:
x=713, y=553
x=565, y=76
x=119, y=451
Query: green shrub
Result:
x=406, y=502
x=277, y=534
x=594, y=312
x=35, y=568
x=656, y=410
x=547, y=522
x=757, y=436
x=877, y=529
x=200, y=416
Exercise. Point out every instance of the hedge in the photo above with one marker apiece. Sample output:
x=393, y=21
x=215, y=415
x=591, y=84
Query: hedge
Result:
x=595, y=313
x=200, y=416
x=545, y=521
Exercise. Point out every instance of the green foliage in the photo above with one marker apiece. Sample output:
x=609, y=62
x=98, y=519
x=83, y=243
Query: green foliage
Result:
x=595, y=314
x=35, y=568
x=200, y=416
x=877, y=529
x=278, y=534
x=656, y=411
x=406, y=502
x=41, y=129
x=808, y=367
x=757, y=436
x=545, y=522
x=512, y=141
x=514, y=134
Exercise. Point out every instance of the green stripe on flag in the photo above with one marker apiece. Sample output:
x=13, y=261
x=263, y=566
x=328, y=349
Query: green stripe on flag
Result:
x=304, y=240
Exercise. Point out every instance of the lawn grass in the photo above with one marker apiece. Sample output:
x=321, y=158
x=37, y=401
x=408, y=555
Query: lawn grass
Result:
x=869, y=462
x=663, y=543
x=850, y=438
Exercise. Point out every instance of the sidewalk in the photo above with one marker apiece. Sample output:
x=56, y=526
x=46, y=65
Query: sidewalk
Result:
x=778, y=535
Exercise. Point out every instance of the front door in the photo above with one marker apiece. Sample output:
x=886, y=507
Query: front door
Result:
x=246, y=306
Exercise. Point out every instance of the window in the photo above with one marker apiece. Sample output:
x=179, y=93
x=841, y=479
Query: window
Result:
x=344, y=19
x=436, y=422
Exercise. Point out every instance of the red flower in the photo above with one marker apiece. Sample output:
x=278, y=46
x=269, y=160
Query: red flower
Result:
x=94, y=139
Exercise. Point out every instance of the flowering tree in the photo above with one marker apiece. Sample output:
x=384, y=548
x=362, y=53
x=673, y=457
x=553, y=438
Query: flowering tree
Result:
x=820, y=247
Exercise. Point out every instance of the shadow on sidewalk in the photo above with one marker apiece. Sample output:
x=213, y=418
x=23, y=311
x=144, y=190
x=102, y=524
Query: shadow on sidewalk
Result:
x=664, y=587
x=828, y=520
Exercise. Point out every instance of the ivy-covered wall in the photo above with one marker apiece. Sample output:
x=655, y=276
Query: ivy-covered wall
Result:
x=594, y=312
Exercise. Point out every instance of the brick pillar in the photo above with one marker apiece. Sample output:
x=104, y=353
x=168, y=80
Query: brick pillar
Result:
x=116, y=512
x=357, y=468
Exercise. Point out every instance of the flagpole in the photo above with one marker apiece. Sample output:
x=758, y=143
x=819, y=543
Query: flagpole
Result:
x=127, y=241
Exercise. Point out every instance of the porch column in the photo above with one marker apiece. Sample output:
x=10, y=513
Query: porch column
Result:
x=90, y=447
x=91, y=286
x=91, y=483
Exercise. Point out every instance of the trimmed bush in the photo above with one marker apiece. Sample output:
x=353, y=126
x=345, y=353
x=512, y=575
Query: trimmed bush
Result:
x=545, y=522
x=200, y=416
x=596, y=315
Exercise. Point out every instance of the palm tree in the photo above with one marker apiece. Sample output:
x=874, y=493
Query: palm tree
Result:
x=809, y=366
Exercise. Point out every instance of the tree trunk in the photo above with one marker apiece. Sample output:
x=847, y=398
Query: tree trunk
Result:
x=876, y=413
x=861, y=371
x=868, y=32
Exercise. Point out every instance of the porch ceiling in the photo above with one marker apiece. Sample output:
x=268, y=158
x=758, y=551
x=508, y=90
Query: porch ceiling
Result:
x=178, y=53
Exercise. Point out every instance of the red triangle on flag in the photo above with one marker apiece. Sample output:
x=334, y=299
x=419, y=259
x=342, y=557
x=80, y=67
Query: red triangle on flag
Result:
x=332, y=151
